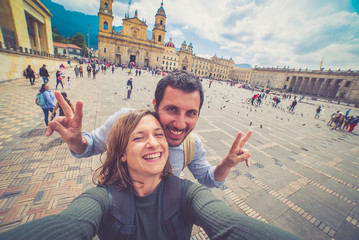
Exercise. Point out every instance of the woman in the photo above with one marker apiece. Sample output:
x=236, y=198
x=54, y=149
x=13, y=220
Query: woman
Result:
x=59, y=79
x=59, y=107
x=136, y=165
x=49, y=102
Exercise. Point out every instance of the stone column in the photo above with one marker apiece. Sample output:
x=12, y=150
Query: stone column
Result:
x=323, y=91
x=303, y=86
x=297, y=84
x=292, y=84
x=317, y=86
x=310, y=87
x=37, y=37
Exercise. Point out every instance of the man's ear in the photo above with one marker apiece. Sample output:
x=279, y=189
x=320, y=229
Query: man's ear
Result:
x=154, y=103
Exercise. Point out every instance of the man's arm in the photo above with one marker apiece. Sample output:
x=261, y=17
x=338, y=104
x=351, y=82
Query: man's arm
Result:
x=235, y=155
x=201, y=169
x=215, y=176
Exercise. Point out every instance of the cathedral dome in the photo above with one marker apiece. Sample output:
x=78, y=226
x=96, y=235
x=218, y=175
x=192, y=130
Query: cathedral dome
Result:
x=170, y=44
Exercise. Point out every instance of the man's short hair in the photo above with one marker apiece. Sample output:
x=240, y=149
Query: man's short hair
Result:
x=179, y=79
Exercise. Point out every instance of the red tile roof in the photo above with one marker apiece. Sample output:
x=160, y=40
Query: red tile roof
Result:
x=64, y=45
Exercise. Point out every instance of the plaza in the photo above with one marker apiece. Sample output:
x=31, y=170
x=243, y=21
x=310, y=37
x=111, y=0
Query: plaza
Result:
x=303, y=176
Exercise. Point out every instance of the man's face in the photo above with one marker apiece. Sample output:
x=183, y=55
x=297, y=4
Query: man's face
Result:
x=178, y=113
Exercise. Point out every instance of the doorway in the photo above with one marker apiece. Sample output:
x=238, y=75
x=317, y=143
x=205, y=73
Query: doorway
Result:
x=133, y=58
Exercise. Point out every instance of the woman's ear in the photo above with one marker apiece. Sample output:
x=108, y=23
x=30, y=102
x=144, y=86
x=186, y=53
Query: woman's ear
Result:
x=123, y=158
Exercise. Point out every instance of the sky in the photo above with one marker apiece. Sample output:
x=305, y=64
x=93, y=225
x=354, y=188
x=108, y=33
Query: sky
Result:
x=267, y=33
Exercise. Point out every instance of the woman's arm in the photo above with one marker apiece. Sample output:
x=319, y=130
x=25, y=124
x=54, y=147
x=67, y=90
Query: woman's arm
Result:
x=220, y=221
x=81, y=220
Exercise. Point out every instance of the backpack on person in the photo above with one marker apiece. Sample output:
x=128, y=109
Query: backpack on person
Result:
x=40, y=100
x=122, y=211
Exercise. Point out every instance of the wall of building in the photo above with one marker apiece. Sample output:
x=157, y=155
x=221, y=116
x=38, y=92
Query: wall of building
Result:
x=13, y=64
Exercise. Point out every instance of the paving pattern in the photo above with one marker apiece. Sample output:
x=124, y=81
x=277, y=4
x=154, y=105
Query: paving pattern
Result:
x=303, y=178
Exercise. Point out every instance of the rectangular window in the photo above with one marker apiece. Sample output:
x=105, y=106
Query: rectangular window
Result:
x=104, y=50
x=174, y=64
x=347, y=84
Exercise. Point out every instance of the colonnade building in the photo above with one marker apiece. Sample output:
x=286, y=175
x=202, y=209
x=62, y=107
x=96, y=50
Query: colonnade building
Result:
x=338, y=85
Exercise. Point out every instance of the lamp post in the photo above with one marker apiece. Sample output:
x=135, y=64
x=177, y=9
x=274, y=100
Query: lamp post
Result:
x=88, y=40
x=67, y=40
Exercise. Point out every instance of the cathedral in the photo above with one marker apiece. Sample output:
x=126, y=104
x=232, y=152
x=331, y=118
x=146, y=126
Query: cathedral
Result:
x=131, y=45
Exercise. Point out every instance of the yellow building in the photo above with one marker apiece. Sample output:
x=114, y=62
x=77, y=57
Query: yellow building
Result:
x=131, y=44
x=170, y=57
x=241, y=75
x=25, y=38
x=26, y=24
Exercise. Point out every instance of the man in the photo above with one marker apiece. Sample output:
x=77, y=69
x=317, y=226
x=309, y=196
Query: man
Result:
x=294, y=103
x=30, y=74
x=89, y=71
x=44, y=74
x=178, y=100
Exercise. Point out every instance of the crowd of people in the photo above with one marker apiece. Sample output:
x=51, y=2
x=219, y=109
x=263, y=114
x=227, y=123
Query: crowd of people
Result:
x=343, y=121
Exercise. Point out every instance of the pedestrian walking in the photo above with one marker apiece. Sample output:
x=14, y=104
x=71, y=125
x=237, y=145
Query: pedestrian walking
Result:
x=317, y=112
x=94, y=73
x=331, y=120
x=49, y=102
x=129, y=87
x=294, y=103
x=337, y=120
x=347, y=123
x=59, y=79
x=77, y=71
x=113, y=69
x=68, y=83
x=30, y=74
x=44, y=74
x=89, y=71
x=353, y=123
x=81, y=71
x=58, y=106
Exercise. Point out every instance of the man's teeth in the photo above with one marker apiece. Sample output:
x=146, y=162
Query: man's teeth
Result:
x=152, y=156
x=176, y=132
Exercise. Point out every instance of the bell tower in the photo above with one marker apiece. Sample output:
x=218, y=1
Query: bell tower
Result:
x=159, y=30
x=105, y=16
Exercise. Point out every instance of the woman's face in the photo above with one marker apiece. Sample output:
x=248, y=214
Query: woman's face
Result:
x=47, y=87
x=147, y=149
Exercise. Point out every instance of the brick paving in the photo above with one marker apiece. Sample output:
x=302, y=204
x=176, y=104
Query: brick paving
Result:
x=303, y=178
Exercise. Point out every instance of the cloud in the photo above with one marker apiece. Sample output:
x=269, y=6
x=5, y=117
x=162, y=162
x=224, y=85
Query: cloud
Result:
x=260, y=32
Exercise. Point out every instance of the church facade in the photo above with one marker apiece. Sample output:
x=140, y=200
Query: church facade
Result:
x=131, y=45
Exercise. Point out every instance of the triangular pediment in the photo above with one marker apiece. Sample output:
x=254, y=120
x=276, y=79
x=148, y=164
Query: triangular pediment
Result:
x=135, y=20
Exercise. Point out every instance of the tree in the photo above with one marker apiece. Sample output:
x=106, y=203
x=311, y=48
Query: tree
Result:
x=79, y=40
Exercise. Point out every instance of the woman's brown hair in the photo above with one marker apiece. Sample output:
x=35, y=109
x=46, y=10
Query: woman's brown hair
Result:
x=113, y=171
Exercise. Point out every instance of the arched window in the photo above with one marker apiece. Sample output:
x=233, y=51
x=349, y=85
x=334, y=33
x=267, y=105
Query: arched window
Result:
x=106, y=6
x=161, y=22
x=105, y=25
x=159, y=38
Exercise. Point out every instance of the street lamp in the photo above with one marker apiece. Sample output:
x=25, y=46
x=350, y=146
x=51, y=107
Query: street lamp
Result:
x=88, y=40
x=67, y=40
